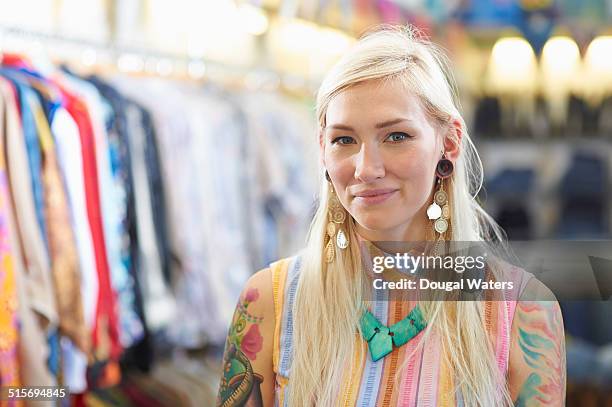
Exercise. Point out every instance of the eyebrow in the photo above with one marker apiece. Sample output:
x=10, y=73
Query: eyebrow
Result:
x=378, y=125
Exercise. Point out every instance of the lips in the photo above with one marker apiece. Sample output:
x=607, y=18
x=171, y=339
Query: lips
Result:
x=374, y=196
x=374, y=192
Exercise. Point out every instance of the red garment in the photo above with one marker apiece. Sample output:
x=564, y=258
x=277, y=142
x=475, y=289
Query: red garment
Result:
x=16, y=61
x=106, y=327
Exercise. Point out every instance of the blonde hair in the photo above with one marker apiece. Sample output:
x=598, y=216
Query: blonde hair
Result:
x=329, y=297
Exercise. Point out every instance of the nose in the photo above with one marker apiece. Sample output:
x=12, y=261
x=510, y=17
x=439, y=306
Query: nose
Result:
x=369, y=164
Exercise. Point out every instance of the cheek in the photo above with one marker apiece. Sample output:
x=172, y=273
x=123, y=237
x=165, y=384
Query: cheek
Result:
x=340, y=167
x=413, y=165
x=415, y=171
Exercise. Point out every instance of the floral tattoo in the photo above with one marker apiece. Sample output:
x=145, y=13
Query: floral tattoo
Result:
x=239, y=384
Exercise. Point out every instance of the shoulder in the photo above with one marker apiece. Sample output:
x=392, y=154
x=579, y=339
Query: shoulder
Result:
x=263, y=289
x=287, y=264
x=504, y=271
x=284, y=274
x=528, y=291
x=256, y=297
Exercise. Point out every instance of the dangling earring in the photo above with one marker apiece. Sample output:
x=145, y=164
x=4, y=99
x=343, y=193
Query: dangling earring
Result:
x=439, y=210
x=336, y=216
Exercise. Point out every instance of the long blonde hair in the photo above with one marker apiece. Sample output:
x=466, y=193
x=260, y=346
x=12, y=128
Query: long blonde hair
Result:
x=329, y=297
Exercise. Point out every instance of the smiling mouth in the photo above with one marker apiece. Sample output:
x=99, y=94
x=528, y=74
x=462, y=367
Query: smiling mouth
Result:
x=374, y=197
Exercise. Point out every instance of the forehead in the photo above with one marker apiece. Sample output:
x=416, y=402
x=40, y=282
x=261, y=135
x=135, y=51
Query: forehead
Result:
x=371, y=102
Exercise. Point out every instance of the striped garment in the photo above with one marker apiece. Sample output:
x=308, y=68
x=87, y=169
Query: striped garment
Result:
x=425, y=381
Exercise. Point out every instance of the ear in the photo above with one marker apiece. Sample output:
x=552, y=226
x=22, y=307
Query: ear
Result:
x=452, y=140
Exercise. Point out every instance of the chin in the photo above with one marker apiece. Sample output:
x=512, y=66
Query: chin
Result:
x=376, y=221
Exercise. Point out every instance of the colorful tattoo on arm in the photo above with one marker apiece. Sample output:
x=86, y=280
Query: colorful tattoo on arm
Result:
x=541, y=339
x=240, y=385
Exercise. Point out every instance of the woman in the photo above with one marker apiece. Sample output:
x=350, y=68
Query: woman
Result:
x=391, y=138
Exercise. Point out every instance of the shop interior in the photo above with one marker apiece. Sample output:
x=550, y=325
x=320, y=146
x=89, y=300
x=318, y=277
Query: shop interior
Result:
x=158, y=153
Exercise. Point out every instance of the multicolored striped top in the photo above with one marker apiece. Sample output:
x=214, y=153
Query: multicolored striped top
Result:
x=425, y=381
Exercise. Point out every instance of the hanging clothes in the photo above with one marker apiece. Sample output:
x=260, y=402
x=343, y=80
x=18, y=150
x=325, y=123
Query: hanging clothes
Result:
x=105, y=335
x=9, y=333
x=146, y=123
x=199, y=134
x=29, y=215
x=62, y=246
x=158, y=303
x=35, y=313
x=132, y=328
x=68, y=145
x=112, y=208
x=135, y=212
x=135, y=335
x=27, y=98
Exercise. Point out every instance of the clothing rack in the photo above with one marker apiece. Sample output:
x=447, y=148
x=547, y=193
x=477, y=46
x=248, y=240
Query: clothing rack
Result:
x=123, y=144
x=93, y=56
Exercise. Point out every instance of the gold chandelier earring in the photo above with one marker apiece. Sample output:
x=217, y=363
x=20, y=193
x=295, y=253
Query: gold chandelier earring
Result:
x=336, y=216
x=439, y=211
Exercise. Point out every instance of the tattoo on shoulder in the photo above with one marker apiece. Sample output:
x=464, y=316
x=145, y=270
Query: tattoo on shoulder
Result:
x=240, y=386
x=541, y=341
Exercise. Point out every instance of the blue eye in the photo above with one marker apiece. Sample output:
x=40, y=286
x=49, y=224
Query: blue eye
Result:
x=343, y=140
x=398, y=136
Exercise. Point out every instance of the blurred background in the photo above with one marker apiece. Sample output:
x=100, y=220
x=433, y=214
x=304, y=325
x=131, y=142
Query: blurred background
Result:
x=156, y=153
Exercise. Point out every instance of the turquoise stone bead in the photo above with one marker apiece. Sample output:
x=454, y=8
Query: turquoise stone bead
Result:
x=369, y=323
x=381, y=344
x=407, y=328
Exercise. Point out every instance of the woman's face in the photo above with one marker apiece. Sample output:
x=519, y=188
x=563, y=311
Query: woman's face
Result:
x=381, y=150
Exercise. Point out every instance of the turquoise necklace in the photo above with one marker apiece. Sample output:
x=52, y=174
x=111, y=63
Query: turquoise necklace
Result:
x=381, y=338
